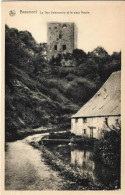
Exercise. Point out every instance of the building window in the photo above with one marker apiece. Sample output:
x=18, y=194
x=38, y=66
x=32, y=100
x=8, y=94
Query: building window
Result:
x=116, y=121
x=64, y=47
x=76, y=120
x=55, y=27
x=55, y=47
x=64, y=26
x=84, y=131
x=84, y=120
x=106, y=121
x=60, y=36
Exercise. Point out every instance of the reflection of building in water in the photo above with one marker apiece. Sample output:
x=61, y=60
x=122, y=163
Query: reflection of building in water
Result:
x=82, y=159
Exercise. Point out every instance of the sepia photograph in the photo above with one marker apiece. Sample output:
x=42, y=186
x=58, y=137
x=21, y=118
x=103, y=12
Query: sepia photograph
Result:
x=62, y=96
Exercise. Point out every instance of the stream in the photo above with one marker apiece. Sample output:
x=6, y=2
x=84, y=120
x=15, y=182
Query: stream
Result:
x=25, y=169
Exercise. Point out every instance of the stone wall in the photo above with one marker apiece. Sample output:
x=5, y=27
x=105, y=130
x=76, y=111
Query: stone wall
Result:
x=61, y=39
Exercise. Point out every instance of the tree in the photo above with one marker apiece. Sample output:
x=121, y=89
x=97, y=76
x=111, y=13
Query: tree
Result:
x=79, y=56
x=101, y=58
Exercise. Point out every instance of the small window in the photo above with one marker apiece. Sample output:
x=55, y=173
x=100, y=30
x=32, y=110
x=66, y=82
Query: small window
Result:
x=116, y=121
x=64, y=26
x=64, y=47
x=84, y=120
x=60, y=36
x=76, y=120
x=55, y=27
x=106, y=120
x=84, y=131
x=55, y=47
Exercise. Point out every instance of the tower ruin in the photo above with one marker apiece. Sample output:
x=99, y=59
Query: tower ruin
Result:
x=61, y=39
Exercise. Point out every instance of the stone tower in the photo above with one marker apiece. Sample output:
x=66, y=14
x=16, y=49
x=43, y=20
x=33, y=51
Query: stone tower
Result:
x=61, y=39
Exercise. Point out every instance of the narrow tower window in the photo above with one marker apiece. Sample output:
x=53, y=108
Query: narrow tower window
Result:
x=55, y=47
x=60, y=36
x=64, y=47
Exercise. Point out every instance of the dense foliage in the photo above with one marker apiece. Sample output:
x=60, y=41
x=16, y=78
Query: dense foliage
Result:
x=108, y=149
x=41, y=93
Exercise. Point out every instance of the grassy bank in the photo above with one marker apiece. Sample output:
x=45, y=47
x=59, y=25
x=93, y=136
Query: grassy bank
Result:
x=104, y=154
x=76, y=180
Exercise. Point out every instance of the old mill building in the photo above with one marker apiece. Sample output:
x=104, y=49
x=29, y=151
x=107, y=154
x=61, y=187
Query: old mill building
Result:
x=61, y=38
x=101, y=112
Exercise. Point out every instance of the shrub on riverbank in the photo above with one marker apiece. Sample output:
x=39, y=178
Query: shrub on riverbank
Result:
x=108, y=149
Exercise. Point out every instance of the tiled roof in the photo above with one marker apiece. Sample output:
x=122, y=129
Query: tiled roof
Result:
x=107, y=101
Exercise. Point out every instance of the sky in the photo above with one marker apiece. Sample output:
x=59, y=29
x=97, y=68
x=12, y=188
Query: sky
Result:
x=100, y=26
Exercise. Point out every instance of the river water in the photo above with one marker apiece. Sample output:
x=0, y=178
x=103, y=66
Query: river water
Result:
x=25, y=169
x=83, y=158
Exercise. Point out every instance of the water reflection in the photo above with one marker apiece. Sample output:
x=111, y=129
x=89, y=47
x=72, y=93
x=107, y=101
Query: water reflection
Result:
x=83, y=160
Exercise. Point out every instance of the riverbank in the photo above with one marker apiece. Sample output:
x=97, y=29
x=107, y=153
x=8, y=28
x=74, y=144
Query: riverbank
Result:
x=72, y=168
x=76, y=178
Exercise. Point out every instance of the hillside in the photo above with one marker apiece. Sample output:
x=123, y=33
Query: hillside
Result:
x=43, y=94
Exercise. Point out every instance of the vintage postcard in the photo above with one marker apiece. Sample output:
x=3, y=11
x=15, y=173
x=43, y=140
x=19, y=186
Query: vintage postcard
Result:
x=63, y=97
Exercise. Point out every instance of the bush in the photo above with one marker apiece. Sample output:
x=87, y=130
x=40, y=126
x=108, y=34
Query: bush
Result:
x=108, y=149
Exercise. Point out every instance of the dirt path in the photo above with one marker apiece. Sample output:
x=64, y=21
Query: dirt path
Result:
x=26, y=170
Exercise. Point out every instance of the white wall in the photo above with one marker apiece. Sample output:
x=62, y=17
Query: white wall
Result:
x=97, y=122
